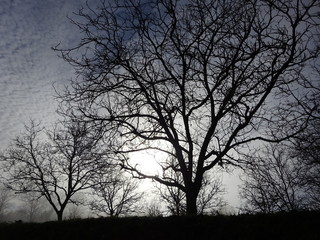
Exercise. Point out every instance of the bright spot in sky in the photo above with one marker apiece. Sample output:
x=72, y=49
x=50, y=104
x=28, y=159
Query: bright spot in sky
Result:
x=147, y=161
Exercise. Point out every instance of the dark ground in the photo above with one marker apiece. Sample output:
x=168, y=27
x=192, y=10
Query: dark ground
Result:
x=296, y=225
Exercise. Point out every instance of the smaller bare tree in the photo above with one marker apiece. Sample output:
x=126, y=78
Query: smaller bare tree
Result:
x=114, y=193
x=54, y=164
x=33, y=205
x=307, y=152
x=209, y=198
x=271, y=182
x=74, y=212
x=5, y=197
x=174, y=198
x=154, y=208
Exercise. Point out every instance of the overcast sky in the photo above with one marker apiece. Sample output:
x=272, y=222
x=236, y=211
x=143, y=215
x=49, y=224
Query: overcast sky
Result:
x=28, y=66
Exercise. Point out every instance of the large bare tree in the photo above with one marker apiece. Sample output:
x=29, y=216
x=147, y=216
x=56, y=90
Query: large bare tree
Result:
x=54, y=164
x=198, y=77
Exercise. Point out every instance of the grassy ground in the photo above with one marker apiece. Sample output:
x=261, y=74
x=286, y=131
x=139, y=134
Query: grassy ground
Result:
x=299, y=225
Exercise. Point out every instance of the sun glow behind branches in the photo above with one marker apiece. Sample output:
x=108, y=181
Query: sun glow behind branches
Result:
x=148, y=161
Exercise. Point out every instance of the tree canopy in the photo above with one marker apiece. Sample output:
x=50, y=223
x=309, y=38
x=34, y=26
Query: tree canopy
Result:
x=194, y=79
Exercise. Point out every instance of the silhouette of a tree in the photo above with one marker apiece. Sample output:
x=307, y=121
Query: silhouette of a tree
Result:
x=307, y=151
x=115, y=194
x=33, y=205
x=209, y=198
x=55, y=164
x=174, y=198
x=194, y=76
x=271, y=182
x=5, y=197
x=307, y=144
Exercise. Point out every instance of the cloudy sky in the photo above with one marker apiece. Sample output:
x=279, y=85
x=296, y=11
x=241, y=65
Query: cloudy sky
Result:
x=28, y=66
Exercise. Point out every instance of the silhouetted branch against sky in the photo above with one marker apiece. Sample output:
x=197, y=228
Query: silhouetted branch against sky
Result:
x=198, y=79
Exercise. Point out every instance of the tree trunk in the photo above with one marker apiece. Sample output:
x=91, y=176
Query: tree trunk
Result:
x=192, y=202
x=60, y=215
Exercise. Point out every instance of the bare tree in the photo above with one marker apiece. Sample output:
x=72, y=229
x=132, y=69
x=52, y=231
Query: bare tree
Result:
x=209, y=198
x=307, y=151
x=54, y=164
x=174, y=198
x=74, y=212
x=115, y=194
x=153, y=209
x=195, y=76
x=32, y=205
x=306, y=145
x=5, y=197
x=272, y=182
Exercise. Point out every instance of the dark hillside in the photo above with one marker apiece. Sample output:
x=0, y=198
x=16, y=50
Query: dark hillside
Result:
x=299, y=225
